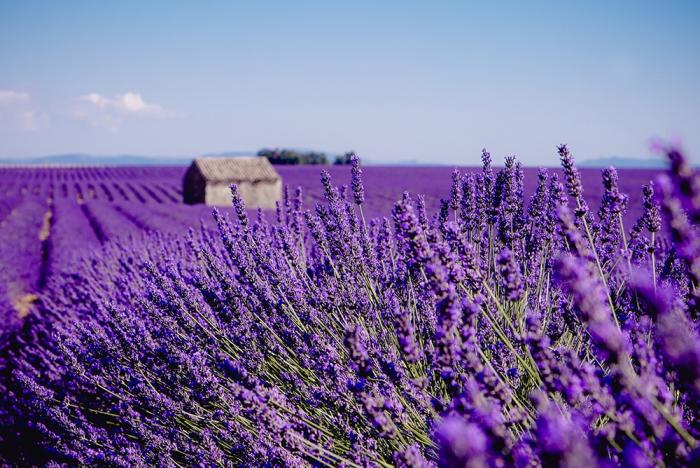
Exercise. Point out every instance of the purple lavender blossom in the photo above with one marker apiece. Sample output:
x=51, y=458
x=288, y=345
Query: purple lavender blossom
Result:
x=511, y=277
x=462, y=444
x=358, y=189
x=456, y=190
x=652, y=217
x=589, y=300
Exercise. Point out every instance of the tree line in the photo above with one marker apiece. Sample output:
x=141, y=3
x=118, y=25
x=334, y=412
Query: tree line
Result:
x=290, y=157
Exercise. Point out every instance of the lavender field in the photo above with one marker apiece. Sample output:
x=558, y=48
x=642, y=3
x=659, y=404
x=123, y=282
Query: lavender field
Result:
x=48, y=217
x=383, y=316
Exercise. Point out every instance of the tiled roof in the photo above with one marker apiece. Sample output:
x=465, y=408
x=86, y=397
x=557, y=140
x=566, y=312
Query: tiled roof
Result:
x=252, y=169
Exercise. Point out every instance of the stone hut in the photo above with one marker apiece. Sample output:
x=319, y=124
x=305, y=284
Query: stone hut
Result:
x=208, y=180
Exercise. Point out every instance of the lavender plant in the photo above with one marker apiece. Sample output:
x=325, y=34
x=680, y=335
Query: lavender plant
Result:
x=504, y=331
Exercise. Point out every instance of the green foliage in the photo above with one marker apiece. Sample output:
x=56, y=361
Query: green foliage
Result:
x=288, y=156
x=345, y=159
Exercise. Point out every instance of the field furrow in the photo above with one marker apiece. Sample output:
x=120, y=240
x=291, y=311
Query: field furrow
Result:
x=21, y=252
x=71, y=235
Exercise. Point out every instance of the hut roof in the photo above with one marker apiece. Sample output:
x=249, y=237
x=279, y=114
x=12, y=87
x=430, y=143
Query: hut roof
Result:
x=253, y=169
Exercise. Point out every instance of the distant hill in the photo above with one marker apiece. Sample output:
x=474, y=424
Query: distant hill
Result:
x=626, y=163
x=408, y=163
x=83, y=159
x=116, y=160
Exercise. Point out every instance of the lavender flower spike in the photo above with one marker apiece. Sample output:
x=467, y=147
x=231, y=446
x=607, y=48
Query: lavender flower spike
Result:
x=358, y=189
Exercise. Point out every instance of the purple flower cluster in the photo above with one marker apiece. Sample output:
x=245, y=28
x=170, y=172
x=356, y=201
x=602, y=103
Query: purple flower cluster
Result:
x=504, y=331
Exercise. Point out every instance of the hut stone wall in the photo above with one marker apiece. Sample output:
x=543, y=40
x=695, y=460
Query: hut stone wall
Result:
x=256, y=195
x=208, y=180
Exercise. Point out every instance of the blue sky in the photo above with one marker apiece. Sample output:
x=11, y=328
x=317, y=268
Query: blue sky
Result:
x=431, y=81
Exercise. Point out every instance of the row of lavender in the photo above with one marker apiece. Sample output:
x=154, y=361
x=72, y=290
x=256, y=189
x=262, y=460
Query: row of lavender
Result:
x=145, y=185
x=88, y=189
x=42, y=233
x=163, y=184
x=505, y=330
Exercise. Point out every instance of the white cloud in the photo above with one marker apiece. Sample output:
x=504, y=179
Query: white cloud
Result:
x=96, y=99
x=129, y=103
x=134, y=103
x=110, y=112
x=8, y=96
